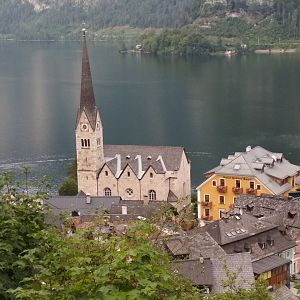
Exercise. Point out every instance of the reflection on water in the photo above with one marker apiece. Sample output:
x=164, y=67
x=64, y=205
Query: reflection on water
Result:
x=212, y=105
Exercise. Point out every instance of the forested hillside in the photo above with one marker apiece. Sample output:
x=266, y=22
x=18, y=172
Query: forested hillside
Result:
x=59, y=19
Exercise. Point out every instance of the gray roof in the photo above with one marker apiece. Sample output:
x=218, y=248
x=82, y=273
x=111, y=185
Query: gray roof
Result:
x=268, y=263
x=260, y=163
x=272, y=209
x=239, y=264
x=198, y=271
x=283, y=293
x=160, y=158
x=236, y=227
x=60, y=204
x=136, y=208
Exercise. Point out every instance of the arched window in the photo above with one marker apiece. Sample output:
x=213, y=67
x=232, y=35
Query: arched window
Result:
x=152, y=195
x=151, y=175
x=107, y=192
x=88, y=142
x=106, y=173
x=128, y=174
x=82, y=142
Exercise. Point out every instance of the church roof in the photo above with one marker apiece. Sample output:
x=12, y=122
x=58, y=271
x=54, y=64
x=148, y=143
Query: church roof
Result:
x=87, y=98
x=140, y=158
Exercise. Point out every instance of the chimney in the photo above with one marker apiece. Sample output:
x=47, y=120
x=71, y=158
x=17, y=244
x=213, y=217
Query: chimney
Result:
x=124, y=210
x=88, y=199
x=248, y=148
x=118, y=172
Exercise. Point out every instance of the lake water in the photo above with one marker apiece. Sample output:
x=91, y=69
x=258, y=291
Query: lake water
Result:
x=213, y=106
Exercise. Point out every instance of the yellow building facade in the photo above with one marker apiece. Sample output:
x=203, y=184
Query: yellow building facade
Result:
x=255, y=172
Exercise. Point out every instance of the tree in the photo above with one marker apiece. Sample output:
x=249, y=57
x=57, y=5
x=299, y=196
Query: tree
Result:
x=103, y=267
x=68, y=188
x=21, y=217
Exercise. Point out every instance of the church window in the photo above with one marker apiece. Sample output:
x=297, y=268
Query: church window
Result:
x=151, y=175
x=82, y=142
x=128, y=174
x=88, y=142
x=152, y=195
x=107, y=192
x=129, y=192
x=106, y=173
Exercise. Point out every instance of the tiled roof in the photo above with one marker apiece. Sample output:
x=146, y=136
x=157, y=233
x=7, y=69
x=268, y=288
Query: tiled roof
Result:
x=260, y=163
x=236, y=227
x=59, y=204
x=283, y=293
x=239, y=264
x=268, y=263
x=160, y=158
x=198, y=271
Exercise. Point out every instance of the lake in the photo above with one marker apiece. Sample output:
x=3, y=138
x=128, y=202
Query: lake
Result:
x=213, y=106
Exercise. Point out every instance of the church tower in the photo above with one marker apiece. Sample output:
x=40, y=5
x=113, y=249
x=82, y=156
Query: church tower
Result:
x=89, y=131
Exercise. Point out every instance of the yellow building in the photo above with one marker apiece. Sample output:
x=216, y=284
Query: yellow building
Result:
x=256, y=171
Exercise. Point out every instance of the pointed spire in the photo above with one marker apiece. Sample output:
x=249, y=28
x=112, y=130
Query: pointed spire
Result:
x=87, y=98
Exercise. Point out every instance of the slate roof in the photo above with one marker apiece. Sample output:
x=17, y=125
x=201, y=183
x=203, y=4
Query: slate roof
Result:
x=87, y=98
x=268, y=263
x=283, y=293
x=60, y=204
x=199, y=272
x=160, y=158
x=236, y=227
x=276, y=210
x=138, y=208
x=261, y=164
x=238, y=263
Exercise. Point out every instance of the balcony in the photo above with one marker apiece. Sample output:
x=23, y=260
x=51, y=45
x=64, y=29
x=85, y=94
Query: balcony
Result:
x=251, y=191
x=222, y=189
x=207, y=218
x=206, y=204
x=237, y=190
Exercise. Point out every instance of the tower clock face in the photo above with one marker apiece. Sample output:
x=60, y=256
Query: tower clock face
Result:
x=84, y=127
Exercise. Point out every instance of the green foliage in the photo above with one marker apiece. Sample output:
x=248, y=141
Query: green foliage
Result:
x=108, y=267
x=183, y=42
x=21, y=216
x=69, y=187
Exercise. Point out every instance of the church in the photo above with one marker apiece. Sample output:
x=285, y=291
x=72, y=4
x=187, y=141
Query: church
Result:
x=133, y=172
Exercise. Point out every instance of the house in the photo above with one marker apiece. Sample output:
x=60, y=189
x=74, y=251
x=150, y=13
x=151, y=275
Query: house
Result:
x=256, y=171
x=283, y=212
x=266, y=243
x=196, y=256
x=132, y=172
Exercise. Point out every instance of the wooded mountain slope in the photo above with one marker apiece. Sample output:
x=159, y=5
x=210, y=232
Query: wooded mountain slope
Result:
x=47, y=19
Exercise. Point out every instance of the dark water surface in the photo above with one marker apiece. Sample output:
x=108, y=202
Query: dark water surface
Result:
x=212, y=105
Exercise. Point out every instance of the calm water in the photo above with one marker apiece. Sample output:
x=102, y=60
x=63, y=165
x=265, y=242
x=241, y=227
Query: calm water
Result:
x=212, y=106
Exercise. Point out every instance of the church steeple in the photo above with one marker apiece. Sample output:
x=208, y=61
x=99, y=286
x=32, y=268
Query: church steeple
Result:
x=87, y=98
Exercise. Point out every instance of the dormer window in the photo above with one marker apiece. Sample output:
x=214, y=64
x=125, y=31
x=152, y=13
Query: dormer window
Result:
x=261, y=243
x=292, y=214
x=270, y=240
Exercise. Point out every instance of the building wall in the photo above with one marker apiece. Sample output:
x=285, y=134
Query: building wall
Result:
x=297, y=255
x=107, y=179
x=208, y=188
x=290, y=254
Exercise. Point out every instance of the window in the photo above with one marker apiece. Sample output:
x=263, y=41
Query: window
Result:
x=221, y=212
x=128, y=174
x=206, y=212
x=98, y=142
x=151, y=175
x=152, y=195
x=238, y=183
x=221, y=199
x=82, y=142
x=252, y=184
x=258, y=187
x=107, y=192
x=106, y=173
x=206, y=198
x=214, y=183
x=129, y=192
x=222, y=182
x=234, y=199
